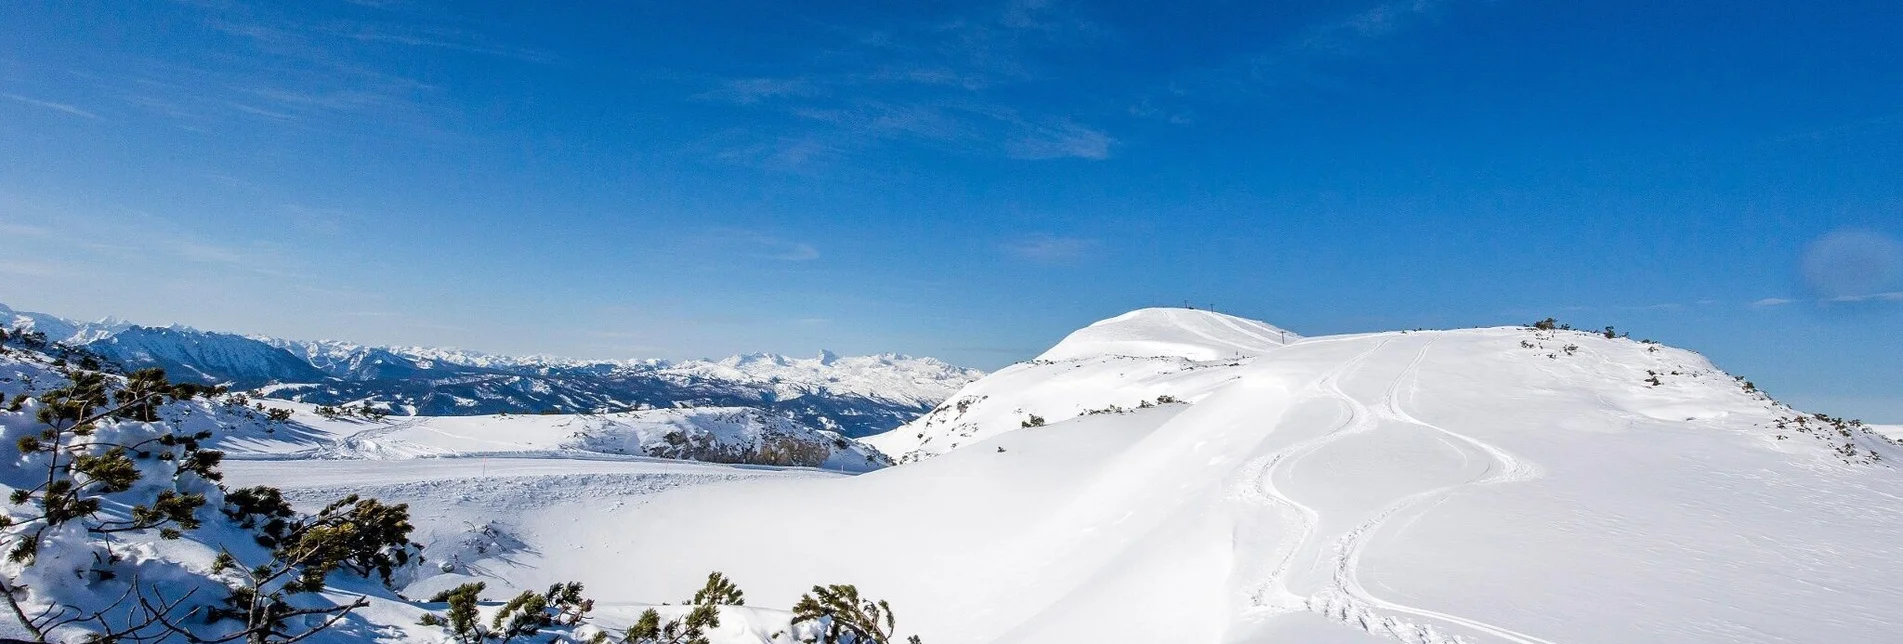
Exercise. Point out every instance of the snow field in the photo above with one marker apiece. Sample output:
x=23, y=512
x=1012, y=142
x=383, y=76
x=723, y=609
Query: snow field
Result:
x=1196, y=478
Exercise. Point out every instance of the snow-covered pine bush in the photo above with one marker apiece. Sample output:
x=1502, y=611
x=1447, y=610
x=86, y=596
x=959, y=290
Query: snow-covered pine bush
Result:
x=529, y=613
x=842, y=617
x=463, y=620
x=719, y=591
x=109, y=532
x=91, y=462
x=554, y=615
x=691, y=628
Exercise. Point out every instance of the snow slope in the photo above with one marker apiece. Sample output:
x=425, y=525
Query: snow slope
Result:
x=713, y=434
x=1191, y=477
x=1485, y=485
x=1127, y=361
x=489, y=471
x=1187, y=334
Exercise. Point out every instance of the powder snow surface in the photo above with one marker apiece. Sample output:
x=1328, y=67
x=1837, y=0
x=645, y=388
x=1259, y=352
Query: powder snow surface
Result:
x=1476, y=485
x=719, y=434
x=1184, y=476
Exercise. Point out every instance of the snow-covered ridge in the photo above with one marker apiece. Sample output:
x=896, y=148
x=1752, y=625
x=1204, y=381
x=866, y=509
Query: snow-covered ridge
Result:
x=890, y=376
x=1440, y=487
x=857, y=396
x=60, y=329
x=1167, y=332
x=1142, y=358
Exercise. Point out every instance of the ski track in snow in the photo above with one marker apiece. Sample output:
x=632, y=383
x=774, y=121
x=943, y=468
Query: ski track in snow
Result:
x=364, y=444
x=1348, y=598
x=1344, y=599
x=1272, y=595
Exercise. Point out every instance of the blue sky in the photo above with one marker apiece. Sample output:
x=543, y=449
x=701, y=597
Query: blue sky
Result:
x=968, y=181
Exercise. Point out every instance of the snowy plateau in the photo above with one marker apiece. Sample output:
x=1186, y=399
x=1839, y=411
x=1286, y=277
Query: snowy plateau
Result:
x=1164, y=476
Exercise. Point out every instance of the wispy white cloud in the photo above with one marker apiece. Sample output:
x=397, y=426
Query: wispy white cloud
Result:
x=1772, y=301
x=1043, y=247
x=339, y=100
x=57, y=107
x=259, y=111
x=1892, y=296
x=108, y=242
x=936, y=82
x=306, y=74
x=747, y=91
x=1291, y=59
x=797, y=252
x=797, y=153
x=436, y=37
x=879, y=120
x=1374, y=22
x=1060, y=140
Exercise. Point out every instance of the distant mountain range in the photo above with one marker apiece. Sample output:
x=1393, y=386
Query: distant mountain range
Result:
x=855, y=396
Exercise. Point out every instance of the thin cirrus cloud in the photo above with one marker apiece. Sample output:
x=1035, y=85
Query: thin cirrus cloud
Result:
x=1051, y=249
x=1374, y=22
x=795, y=252
x=298, y=71
x=1892, y=296
x=936, y=83
x=1286, y=61
x=1061, y=140
x=438, y=38
x=57, y=107
x=747, y=91
x=1866, y=298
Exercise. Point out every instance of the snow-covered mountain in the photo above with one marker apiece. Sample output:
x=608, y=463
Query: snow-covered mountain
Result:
x=1133, y=361
x=188, y=354
x=59, y=329
x=855, y=396
x=1170, y=476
